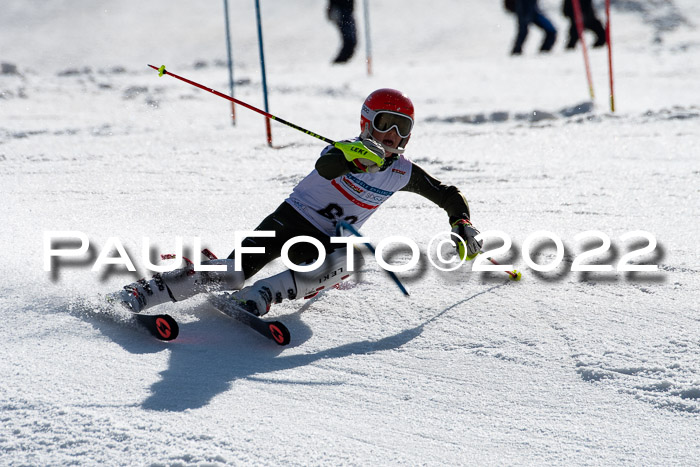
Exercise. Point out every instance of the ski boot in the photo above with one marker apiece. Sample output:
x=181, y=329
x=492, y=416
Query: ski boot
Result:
x=289, y=284
x=177, y=285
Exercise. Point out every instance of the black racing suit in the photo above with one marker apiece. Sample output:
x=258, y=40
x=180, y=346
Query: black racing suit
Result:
x=287, y=223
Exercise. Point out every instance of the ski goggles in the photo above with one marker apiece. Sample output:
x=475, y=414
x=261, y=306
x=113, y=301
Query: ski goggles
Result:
x=385, y=120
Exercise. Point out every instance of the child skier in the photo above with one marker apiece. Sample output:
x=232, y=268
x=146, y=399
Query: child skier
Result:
x=343, y=187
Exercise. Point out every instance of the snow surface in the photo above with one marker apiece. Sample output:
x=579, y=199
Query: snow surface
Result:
x=560, y=368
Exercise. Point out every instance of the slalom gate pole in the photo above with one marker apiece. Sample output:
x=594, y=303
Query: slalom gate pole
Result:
x=162, y=71
x=610, y=66
x=579, y=28
x=230, y=63
x=262, y=67
x=368, y=40
x=344, y=225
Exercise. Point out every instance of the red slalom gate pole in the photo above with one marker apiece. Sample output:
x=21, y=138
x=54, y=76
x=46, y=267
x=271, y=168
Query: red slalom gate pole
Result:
x=579, y=28
x=268, y=130
x=610, y=66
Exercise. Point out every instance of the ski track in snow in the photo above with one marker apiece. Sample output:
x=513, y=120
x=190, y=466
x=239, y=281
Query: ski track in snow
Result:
x=561, y=368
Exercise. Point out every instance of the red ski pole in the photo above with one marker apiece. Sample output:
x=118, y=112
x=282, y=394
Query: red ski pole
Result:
x=350, y=149
x=514, y=274
x=162, y=71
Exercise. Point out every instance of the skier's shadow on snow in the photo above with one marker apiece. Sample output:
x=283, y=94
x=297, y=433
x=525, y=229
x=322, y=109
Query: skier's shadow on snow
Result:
x=205, y=366
x=211, y=359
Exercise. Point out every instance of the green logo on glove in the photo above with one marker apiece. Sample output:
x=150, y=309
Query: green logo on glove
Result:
x=357, y=150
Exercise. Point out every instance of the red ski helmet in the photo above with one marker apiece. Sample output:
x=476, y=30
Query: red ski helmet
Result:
x=385, y=109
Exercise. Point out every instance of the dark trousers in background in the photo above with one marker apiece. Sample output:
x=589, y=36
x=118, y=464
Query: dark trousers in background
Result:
x=344, y=19
x=590, y=22
x=528, y=13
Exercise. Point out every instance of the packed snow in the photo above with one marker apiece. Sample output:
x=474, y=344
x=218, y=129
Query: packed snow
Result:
x=563, y=367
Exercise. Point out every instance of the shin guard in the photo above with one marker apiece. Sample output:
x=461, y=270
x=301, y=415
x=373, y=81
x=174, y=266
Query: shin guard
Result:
x=332, y=272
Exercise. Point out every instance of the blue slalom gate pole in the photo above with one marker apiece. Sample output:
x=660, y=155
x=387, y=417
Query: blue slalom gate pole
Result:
x=344, y=225
x=230, y=63
x=262, y=67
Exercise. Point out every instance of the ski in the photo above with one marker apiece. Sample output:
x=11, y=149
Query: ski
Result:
x=163, y=327
x=273, y=330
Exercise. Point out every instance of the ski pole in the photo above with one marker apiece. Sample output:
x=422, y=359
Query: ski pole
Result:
x=515, y=275
x=351, y=150
x=344, y=225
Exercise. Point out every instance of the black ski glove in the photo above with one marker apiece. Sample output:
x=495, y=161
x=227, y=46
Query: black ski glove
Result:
x=469, y=247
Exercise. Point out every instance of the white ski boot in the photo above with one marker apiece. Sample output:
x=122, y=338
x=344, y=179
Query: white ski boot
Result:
x=258, y=297
x=289, y=284
x=178, y=285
